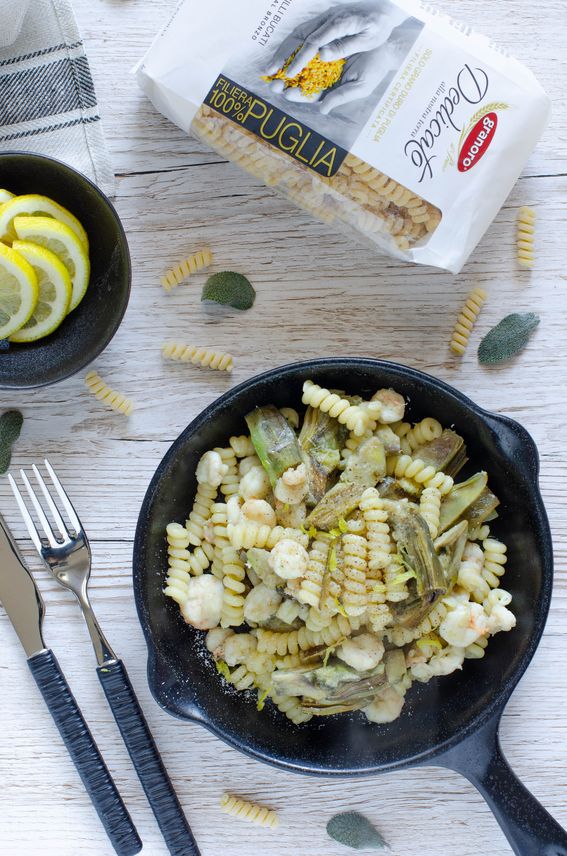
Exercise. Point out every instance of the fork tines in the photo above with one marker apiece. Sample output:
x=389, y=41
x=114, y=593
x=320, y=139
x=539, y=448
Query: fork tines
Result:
x=41, y=516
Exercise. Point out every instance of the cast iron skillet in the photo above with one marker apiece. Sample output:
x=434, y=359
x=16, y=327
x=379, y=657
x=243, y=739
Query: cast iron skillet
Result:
x=452, y=721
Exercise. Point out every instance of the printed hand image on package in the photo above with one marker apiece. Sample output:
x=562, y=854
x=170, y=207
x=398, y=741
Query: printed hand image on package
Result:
x=388, y=120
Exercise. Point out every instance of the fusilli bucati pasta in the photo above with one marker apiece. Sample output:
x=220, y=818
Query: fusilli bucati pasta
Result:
x=192, y=264
x=107, y=395
x=249, y=811
x=466, y=320
x=525, y=236
x=183, y=353
x=357, y=196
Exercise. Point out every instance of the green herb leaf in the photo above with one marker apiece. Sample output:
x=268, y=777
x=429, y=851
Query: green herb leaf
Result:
x=403, y=578
x=262, y=699
x=343, y=525
x=354, y=830
x=332, y=560
x=327, y=654
x=311, y=532
x=229, y=289
x=507, y=339
x=340, y=607
x=10, y=426
x=222, y=669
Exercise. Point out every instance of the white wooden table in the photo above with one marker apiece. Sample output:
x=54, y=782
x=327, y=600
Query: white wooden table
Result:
x=317, y=296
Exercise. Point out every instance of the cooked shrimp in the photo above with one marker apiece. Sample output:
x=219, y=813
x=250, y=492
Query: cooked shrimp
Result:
x=203, y=606
x=362, y=652
x=393, y=405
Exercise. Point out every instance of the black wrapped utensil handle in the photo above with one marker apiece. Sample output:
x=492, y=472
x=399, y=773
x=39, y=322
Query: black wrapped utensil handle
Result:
x=84, y=753
x=146, y=759
x=529, y=828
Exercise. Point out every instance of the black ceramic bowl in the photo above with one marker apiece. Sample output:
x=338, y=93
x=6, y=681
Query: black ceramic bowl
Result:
x=90, y=327
x=452, y=720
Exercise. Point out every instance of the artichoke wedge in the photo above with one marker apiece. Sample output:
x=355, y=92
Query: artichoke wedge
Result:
x=398, y=489
x=321, y=439
x=450, y=547
x=364, y=469
x=447, y=453
x=368, y=464
x=275, y=442
x=418, y=555
x=460, y=498
x=390, y=488
x=258, y=560
x=483, y=509
x=330, y=689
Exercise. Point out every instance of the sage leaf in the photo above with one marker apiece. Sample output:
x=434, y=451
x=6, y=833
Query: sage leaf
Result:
x=507, y=339
x=229, y=289
x=10, y=426
x=355, y=831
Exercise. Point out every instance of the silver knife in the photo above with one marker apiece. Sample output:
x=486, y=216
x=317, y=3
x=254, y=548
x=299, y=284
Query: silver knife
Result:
x=24, y=605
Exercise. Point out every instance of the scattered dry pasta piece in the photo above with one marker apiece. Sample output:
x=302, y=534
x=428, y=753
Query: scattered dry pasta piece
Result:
x=196, y=262
x=198, y=356
x=526, y=230
x=109, y=396
x=249, y=811
x=466, y=320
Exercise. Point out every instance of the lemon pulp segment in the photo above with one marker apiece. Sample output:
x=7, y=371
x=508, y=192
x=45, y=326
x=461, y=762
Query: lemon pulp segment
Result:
x=34, y=205
x=55, y=291
x=64, y=243
x=18, y=291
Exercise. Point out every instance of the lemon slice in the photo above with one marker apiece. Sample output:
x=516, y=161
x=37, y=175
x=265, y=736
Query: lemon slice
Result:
x=33, y=205
x=61, y=240
x=18, y=291
x=5, y=195
x=55, y=291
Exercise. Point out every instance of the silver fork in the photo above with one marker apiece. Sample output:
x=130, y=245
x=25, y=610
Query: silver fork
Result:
x=68, y=557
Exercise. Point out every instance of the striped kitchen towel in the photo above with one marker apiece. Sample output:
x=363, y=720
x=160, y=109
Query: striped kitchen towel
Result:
x=47, y=99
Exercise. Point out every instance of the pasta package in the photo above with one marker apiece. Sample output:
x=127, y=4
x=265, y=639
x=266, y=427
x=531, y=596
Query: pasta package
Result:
x=386, y=119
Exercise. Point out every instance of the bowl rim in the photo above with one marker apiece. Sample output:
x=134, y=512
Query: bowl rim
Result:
x=107, y=338
x=493, y=708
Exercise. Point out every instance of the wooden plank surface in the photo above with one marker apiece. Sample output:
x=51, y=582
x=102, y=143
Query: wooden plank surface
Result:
x=318, y=295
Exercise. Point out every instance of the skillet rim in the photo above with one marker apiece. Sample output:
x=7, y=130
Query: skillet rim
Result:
x=529, y=464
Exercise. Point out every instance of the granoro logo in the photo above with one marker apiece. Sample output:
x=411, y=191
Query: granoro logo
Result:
x=477, y=142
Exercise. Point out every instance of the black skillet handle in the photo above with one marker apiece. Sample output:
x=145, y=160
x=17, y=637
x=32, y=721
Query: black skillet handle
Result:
x=529, y=828
x=84, y=752
x=146, y=759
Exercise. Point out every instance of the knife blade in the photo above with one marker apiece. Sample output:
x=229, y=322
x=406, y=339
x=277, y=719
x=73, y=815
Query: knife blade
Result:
x=19, y=594
x=24, y=605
